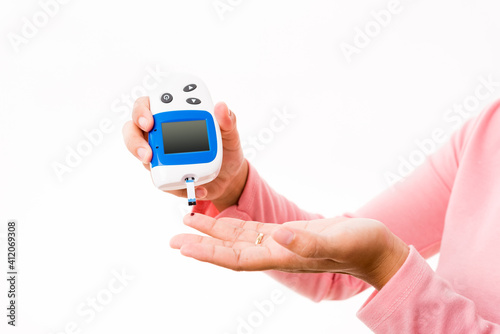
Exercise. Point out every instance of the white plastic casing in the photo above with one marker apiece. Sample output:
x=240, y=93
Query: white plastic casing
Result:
x=173, y=177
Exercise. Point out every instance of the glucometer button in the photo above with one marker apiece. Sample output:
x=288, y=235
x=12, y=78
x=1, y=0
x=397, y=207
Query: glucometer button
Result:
x=193, y=100
x=190, y=88
x=166, y=98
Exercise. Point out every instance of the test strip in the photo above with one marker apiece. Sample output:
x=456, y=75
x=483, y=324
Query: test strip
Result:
x=190, y=191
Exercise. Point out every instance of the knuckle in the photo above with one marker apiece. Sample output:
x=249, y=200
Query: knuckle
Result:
x=136, y=103
x=125, y=128
x=139, y=102
x=141, y=108
x=136, y=111
x=130, y=142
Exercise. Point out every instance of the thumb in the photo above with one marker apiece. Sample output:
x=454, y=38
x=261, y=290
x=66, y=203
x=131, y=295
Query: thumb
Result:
x=302, y=242
x=227, y=124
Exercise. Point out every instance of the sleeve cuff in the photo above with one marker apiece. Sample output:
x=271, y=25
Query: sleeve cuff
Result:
x=383, y=304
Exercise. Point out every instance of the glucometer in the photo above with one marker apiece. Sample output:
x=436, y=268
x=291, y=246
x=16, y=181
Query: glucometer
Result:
x=185, y=138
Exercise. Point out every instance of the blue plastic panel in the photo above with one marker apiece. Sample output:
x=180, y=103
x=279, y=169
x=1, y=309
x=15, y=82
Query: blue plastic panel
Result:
x=187, y=158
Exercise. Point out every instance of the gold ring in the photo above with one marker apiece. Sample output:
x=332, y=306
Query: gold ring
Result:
x=259, y=238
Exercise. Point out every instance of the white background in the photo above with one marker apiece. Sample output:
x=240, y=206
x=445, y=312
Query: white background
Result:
x=353, y=122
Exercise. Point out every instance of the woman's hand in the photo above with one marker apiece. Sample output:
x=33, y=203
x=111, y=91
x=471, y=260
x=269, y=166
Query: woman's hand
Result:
x=363, y=248
x=226, y=189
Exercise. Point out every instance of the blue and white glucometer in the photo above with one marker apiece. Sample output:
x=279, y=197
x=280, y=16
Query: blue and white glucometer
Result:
x=185, y=139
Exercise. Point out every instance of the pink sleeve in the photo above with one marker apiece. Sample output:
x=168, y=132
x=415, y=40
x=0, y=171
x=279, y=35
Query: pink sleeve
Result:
x=415, y=208
x=417, y=300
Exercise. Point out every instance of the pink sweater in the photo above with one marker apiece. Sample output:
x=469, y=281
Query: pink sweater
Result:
x=451, y=205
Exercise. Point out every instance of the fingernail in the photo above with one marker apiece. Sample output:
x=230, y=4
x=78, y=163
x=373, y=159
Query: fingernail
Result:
x=228, y=111
x=283, y=236
x=200, y=192
x=192, y=214
x=143, y=122
x=141, y=152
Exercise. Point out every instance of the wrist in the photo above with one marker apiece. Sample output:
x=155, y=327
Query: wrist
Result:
x=234, y=189
x=393, y=259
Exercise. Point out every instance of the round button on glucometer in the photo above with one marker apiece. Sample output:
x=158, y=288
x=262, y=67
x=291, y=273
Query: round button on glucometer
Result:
x=190, y=88
x=193, y=100
x=166, y=98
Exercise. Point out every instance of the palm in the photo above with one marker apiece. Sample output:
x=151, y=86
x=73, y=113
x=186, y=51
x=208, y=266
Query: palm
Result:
x=231, y=243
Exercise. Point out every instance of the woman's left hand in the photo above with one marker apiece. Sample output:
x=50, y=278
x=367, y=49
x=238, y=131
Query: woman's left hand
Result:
x=360, y=247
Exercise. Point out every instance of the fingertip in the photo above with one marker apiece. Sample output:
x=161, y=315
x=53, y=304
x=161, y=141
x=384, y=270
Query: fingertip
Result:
x=141, y=153
x=135, y=142
x=143, y=100
x=198, y=221
x=283, y=236
x=188, y=218
x=174, y=243
x=222, y=107
x=143, y=123
x=141, y=114
x=201, y=192
x=144, y=154
x=186, y=250
x=183, y=250
x=224, y=116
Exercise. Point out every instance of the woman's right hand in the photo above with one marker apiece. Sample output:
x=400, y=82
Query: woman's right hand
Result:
x=223, y=191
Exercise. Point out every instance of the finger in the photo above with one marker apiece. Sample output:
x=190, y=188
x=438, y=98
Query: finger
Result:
x=135, y=142
x=183, y=239
x=257, y=226
x=141, y=114
x=250, y=225
x=224, y=230
x=219, y=228
x=304, y=243
x=248, y=259
x=227, y=124
x=317, y=226
x=200, y=192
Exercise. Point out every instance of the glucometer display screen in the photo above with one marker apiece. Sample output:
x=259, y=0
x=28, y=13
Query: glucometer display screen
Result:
x=183, y=137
